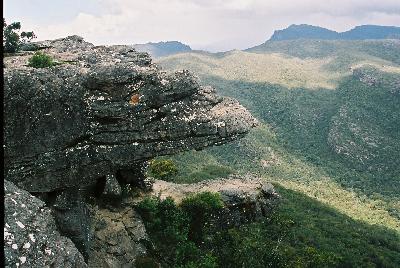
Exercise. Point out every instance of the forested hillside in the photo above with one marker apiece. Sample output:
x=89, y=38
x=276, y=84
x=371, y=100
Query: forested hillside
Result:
x=330, y=131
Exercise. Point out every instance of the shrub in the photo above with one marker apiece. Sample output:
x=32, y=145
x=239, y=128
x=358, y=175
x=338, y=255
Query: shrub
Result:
x=12, y=40
x=165, y=221
x=170, y=228
x=200, y=208
x=41, y=60
x=202, y=203
x=162, y=169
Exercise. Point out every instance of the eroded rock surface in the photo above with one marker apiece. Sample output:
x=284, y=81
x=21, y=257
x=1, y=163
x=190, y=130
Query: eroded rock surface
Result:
x=90, y=123
x=119, y=237
x=101, y=110
x=31, y=238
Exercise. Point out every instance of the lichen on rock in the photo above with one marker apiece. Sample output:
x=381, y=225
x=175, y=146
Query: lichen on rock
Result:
x=31, y=238
x=102, y=110
x=92, y=121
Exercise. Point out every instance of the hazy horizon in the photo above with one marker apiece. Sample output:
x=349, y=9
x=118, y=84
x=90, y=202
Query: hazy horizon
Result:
x=218, y=25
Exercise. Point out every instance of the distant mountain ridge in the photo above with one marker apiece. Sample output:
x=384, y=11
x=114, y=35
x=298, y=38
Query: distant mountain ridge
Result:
x=305, y=31
x=161, y=49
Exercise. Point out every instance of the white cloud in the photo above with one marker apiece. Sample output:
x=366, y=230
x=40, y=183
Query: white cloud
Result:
x=213, y=24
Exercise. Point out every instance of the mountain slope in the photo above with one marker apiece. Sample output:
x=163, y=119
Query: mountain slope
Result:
x=307, y=143
x=304, y=31
x=162, y=49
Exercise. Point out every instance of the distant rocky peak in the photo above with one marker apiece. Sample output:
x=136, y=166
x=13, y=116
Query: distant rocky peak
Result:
x=305, y=31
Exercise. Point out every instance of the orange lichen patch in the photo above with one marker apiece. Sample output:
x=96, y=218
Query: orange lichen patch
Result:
x=134, y=99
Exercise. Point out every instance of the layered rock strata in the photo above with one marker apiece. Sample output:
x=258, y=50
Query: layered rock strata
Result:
x=90, y=123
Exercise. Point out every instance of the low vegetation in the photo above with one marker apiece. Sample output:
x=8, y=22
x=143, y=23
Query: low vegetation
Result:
x=301, y=232
x=178, y=232
x=162, y=169
x=41, y=60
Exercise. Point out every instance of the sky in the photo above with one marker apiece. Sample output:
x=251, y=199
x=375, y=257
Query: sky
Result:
x=214, y=25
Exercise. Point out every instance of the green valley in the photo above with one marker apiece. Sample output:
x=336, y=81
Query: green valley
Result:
x=330, y=132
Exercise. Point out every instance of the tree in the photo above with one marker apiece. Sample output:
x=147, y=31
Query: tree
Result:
x=12, y=39
x=163, y=169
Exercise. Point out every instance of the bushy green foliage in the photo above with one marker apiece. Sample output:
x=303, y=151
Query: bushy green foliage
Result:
x=41, y=60
x=162, y=169
x=301, y=232
x=200, y=208
x=12, y=39
x=173, y=228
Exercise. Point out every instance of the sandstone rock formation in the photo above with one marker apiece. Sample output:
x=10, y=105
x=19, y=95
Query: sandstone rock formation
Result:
x=104, y=109
x=119, y=237
x=86, y=125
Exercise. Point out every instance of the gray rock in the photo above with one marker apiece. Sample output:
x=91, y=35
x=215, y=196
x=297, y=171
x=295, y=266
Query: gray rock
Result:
x=103, y=112
x=31, y=238
x=136, y=177
x=268, y=189
x=112, y=188
x=119, y=237
x=73, y=218
x=105, y=109
x=243, y=206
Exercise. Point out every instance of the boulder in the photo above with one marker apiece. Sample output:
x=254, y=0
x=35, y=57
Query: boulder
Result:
x=31, y=237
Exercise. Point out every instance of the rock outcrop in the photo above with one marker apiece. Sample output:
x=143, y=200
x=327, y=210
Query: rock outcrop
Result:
x=88, y=124
x=119, y=233
x=31, y=238
x=103, y=109
x=246, y=198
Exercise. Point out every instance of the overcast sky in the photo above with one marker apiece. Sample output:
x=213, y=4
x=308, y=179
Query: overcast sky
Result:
x=215, y=25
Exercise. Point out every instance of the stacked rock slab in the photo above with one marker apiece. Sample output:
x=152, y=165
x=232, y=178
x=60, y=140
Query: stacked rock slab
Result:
x=104, y=109
x=100, y=112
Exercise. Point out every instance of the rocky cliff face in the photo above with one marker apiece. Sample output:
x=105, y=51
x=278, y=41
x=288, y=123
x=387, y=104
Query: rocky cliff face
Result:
x=101, y=110
x=86, y=125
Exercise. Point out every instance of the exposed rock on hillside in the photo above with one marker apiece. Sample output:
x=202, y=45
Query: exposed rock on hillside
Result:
x=31, y=238
x=86, y=125
x=246, y=199
x=104, y=109
x=119, y=237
